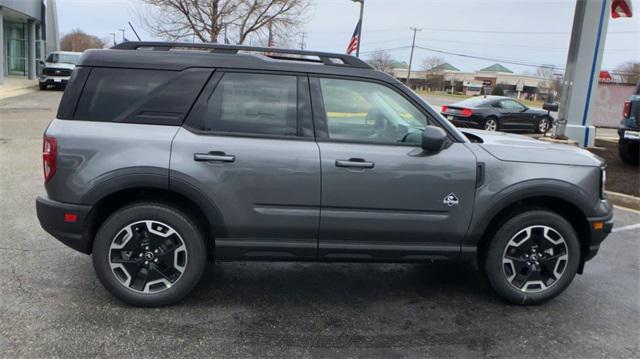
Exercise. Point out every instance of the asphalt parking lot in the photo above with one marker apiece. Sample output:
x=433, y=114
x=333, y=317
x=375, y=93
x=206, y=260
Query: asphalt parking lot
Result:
x=52, y=304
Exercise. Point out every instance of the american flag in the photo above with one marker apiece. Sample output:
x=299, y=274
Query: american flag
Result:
x=355, y=39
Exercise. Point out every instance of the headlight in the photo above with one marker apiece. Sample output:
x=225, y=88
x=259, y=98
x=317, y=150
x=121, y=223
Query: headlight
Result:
x=603, y=180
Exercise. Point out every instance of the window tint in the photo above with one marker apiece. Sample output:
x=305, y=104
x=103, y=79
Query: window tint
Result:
x=111, y=93
x=251, y=103
x=511, y=105
x=365, y=111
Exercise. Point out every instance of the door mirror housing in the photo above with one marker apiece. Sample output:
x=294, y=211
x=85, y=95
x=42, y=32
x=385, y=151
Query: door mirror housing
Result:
x=434, y=139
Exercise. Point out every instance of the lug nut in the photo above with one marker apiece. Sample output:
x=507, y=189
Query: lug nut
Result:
x=146, y=263
x=146, y=248
x=156, y=251
x=140, y=255
x=156, y=260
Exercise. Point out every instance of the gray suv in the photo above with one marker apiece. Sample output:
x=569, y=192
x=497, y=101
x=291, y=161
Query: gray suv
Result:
x=165, y=155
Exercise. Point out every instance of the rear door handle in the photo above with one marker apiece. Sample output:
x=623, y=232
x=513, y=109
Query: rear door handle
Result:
x=354, y=163
x=213, y=156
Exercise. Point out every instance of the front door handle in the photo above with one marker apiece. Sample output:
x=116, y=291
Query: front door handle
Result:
x=214, y=156
x=354, y=163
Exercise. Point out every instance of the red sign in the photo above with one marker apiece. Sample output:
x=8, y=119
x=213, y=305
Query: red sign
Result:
x=621, y=8
x=605, y=76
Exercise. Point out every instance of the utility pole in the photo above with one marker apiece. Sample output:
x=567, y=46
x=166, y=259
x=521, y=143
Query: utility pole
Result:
x=302, y=44
x=114, y=38
x=122, y=30
x=360, y=29
x=413, y=45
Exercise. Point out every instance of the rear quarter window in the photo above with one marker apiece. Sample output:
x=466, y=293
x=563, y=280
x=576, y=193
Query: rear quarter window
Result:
x=139, y=96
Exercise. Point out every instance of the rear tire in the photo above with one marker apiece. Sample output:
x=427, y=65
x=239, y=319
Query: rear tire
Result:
x=629, y=151
x=532, y=258
x=491, y=124
x=43, y=86
x=149, y=254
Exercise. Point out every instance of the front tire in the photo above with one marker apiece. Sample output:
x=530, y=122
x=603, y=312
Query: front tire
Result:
x=149, y=254
x=544, y=125
x=532, y=258
x=629, y=151
x=43, y=86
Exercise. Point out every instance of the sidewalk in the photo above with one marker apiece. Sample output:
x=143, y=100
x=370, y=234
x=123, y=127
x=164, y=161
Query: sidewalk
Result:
x=16, y=86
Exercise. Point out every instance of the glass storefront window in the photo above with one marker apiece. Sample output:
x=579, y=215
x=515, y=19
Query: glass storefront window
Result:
x=16, y=50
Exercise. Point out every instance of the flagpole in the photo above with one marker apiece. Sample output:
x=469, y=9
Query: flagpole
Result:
x=360, y=29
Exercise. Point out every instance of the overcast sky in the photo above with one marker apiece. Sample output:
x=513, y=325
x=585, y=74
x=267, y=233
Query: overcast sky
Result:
x=534, y=32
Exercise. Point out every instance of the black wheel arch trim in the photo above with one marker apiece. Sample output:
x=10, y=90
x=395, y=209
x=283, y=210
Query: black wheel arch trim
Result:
x=522, y=191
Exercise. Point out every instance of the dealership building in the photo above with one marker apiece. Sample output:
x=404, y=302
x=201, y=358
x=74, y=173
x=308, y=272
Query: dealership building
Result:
x=448, y=78
x=29, y=31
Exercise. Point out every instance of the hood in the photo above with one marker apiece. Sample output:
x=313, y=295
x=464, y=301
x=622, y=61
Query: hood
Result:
x=518, y=148
x=59, y=65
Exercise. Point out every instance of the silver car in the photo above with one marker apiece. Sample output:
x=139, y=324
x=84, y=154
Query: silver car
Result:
x=57, y=68
x=161, y=158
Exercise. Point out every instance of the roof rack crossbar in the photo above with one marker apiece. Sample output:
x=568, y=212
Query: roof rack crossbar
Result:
x=326, y=58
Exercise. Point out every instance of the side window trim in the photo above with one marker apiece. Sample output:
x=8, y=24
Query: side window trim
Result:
x=303, y=107
x=320, y=115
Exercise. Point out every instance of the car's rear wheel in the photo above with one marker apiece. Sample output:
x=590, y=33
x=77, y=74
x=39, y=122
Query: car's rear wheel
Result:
x=532, y=257
x=43, y=86
x=629, y=151
x=149, y=254
x=491, y=124
x=544, y=124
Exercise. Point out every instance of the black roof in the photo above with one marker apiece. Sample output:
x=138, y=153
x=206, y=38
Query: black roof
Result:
x=179, y=56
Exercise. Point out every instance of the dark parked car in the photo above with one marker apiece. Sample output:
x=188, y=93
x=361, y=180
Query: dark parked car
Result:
x=160, y=160
x=629, y=130
x=497, y=113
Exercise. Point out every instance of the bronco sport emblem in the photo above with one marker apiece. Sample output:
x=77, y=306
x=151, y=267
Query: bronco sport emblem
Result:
x=450, y=200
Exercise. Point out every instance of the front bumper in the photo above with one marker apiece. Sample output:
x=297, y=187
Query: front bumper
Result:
x=54, y=80
x=600, y=227
x=57, y=219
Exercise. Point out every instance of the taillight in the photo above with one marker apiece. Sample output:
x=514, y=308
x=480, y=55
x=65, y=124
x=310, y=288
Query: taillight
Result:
x=49, y=157
x=444, y=109
x=466, y=112
x=626, y=112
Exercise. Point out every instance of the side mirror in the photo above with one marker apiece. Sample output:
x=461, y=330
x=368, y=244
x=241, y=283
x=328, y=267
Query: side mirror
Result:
x=434, y=139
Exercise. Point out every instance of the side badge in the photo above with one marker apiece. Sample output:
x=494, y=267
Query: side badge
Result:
x=450, y=200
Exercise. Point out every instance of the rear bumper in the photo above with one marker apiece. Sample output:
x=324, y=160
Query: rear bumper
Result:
x=463, y=122
x=73, y=233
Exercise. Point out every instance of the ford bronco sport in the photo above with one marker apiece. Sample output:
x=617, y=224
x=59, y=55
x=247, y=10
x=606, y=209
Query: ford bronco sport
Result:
x=165, y=155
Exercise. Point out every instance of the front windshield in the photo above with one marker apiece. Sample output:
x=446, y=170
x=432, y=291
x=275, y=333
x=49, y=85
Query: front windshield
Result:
x=57, y=57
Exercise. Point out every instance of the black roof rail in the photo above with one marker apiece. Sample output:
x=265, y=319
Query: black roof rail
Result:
x=326, y=58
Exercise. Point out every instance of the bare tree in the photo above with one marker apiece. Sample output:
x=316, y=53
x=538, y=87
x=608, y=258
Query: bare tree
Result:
x=629, y=72
x=433, y=77
x=549, y=83
x=78, y=41
x=430, y=64
x=235, y=20
x=381, y=61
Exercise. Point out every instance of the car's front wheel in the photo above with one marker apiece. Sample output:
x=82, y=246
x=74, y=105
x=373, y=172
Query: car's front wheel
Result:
x=149, y=254
x=544, y=124
x=43, y=86
x=532, y=257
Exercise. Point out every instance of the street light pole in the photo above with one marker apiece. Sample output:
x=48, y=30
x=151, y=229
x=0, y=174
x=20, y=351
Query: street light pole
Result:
x=122, y=30
x=413, y=45
x=360, y=28
x=114, y=38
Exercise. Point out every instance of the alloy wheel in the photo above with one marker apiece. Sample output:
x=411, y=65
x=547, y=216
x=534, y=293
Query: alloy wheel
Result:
x=147, y=256
x=535, y=259
x=491, y=125
x=543, y=125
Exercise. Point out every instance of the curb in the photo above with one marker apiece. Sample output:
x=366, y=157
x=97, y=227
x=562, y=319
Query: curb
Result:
x=624, y=200
x=17, y=92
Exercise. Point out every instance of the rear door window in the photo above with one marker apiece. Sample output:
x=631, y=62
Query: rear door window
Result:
x=250, y=103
